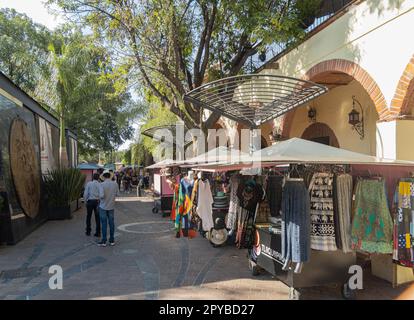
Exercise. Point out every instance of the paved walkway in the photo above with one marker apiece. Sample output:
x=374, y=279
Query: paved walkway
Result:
x=147, y=262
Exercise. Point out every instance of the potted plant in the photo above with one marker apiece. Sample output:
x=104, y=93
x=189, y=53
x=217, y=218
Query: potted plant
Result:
x=63, y=187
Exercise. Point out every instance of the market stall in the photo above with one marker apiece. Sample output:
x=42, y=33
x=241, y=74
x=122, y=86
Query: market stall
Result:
x=325, y=207
x=163, y=194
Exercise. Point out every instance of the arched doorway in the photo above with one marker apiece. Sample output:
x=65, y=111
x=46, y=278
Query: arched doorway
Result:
x=321, y=133
x=338, y=73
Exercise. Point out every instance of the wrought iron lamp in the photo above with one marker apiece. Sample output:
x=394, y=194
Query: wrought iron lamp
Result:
x=354, y=119
x=312, y=114
x=275, y=135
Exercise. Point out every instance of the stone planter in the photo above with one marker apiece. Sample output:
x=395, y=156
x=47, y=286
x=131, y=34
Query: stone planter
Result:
x=59, y=213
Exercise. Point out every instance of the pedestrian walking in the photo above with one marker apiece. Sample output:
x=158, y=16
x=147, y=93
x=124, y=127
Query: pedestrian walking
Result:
x=91, y=198
x=108, y=190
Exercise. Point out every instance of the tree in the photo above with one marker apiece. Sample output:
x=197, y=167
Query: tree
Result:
x=24, y=49
x=86, y=96
x=173, y=46
x=71, y=77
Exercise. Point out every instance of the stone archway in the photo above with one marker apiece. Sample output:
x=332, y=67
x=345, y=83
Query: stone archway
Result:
x=340, y=66
x=322, y=133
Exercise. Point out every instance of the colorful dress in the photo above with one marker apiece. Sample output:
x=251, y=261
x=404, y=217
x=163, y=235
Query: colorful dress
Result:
x=176, y=189
x=372, y=225
x=404, y=223
x=183, y=214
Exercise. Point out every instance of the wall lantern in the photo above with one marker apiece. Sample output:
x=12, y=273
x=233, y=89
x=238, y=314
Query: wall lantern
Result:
x=275, y=135
x=356, y=119
x=312, y=114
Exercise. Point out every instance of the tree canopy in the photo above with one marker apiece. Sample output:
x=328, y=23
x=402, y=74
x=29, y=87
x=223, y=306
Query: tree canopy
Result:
x=173, y=46
x=72, y=76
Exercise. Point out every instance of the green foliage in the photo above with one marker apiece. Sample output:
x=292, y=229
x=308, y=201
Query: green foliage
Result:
x=72, y=77
x=126, y=159
x=24, y=49
x=63, y=186
x=170, y=46
x=140, y=155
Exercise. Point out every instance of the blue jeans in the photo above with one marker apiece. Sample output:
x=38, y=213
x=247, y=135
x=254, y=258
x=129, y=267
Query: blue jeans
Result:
x=107, y=216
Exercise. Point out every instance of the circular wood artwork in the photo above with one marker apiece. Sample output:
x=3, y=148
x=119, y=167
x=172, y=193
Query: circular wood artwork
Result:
x=24, y=168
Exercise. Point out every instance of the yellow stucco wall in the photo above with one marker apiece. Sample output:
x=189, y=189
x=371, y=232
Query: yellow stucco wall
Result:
x=332, y=109
x=376, y=34
x=405, y=139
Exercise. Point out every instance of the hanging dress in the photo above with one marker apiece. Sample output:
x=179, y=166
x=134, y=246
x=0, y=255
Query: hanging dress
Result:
x=343, y=210
x=295, y=223
x=372, y=225
x=183, y=214
x=233, y=205
x=176, y=189
x=322, y=232
x=204, y=207
x=404, y=223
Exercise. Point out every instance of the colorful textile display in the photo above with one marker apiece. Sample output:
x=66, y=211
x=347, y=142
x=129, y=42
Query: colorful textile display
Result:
x=342, y=213
x=295, y=222
x=245, y=229
x=372, y=226
x=183, y=214
x=250, y=194
x=403, y=253
x=322, y=232
x=176, y=188
x=233, y=205
x=204, y=207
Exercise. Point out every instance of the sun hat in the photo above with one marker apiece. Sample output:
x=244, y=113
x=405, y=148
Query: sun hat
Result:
x=218, y=237
x=111, y=174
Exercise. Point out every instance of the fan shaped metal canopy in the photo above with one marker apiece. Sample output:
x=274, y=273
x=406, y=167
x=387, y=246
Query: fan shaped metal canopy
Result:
x=255, y=98
x=160, y=132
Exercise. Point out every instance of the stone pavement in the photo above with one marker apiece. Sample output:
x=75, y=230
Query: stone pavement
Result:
x=147, y=262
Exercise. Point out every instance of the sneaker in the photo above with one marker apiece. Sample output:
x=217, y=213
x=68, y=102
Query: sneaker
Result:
x=88, y=233
x=101, y=244
x=112, y=243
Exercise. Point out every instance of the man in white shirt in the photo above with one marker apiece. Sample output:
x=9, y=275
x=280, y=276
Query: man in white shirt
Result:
x=91, y=198
x=108, y=191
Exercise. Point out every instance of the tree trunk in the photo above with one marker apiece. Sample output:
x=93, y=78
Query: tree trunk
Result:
x=63, y=153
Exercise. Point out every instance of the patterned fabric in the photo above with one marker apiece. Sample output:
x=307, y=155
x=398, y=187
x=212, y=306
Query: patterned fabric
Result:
x=245, y=228
x=233, y=205
x=263, y=213
x=372, y=226
x=184, y=205
x=404, y=223
x=322, y=232
x=295, y=222
x=343, y=210
x=175, y=201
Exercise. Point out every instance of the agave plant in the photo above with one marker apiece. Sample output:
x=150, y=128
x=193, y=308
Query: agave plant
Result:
x=63, y=186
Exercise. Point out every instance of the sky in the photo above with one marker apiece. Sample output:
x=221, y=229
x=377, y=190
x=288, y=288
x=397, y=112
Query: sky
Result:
x=38, y=12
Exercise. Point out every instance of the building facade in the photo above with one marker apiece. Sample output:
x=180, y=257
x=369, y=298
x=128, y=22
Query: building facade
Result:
x=29, y=147
x=364, y=54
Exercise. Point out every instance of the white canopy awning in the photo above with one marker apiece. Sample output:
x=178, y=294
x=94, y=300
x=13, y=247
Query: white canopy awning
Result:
x=297, y=151
x=161, y=164
x=220, y=155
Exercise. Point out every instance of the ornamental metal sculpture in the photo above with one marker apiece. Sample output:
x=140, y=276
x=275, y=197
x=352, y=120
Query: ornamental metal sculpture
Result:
x=255, y=98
